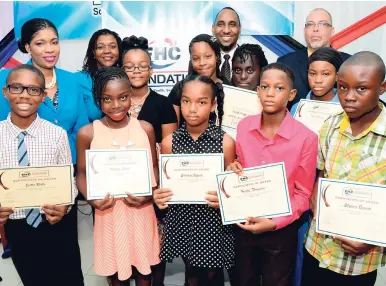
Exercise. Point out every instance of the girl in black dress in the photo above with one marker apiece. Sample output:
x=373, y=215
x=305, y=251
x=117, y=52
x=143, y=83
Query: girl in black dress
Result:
x=205, y=59
x=195, y=232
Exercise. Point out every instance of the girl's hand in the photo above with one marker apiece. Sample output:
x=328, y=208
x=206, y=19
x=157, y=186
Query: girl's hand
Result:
x=258, y=225
x=54, y=213
x=4, y=214
x=161, y=197
x=212, y=199
x=235, y=167
x=104, y=204
x=136, y=202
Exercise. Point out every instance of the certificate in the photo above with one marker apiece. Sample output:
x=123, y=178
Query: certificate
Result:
x=118, y=172
x=32, y=187
x=313, y=113
x=356, y=211
x=259, y=192
x=238, y=104
x=190, y=176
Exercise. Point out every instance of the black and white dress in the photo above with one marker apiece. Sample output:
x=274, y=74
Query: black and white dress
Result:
x=196, y=232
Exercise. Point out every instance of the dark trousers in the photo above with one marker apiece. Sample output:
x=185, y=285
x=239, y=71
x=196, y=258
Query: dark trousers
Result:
x=266, y=259
x=313, y=275
x=47, y=255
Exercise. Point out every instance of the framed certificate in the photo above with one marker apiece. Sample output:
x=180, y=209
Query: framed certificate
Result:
x=32, y=187
x=259, y=192
x=313, y=113
x=190, y=176
x=238, y=104
x=118, y=172
x=356, y=211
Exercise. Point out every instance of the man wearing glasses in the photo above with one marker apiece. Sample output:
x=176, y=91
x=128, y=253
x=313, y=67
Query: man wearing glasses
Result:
x=318, y=31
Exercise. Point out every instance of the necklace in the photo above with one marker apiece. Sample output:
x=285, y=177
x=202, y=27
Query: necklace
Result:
x=115, y=142
x=136, y=106
x=53, y=80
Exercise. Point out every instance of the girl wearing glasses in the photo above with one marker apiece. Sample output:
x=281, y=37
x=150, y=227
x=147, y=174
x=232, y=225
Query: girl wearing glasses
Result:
x=104, y=50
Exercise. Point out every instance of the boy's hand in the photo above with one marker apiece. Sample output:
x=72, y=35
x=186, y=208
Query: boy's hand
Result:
x=103, y=204
x=161, y=197
x=4, y=214
x=212, y=199
x=236, y=168
x=136, y=202
x=258, y=225
x=54, y=213
x=353, y=248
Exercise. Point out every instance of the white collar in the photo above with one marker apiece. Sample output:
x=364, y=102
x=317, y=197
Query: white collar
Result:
x=230, y=53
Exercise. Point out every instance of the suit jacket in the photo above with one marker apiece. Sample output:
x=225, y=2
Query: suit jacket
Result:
x=71, y=112
x=298, y=62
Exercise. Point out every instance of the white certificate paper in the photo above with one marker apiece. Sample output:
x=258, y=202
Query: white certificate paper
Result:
x=356, y=211
x=259, y=192
x=313, y=113
x=238, y=104
x=118, y=172
x=190, y=176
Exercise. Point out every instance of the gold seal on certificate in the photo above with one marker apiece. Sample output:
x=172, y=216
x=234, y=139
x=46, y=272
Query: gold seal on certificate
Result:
x=259, y=192
x=118, y=172
x=313, y=113
x=32, y=187
x=356, y=211
x=190, y=176
x=238, y=104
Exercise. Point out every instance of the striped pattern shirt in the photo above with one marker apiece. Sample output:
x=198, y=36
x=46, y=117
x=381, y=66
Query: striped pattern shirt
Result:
x=46, y=144
x=360, y=158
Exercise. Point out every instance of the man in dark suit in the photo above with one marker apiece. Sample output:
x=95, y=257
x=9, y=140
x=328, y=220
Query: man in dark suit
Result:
x=318, y=32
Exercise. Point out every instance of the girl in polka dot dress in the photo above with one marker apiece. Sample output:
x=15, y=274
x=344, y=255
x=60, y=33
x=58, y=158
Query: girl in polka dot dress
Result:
x=195, y=232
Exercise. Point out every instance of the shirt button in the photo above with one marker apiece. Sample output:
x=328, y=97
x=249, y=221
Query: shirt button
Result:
x=56, y=121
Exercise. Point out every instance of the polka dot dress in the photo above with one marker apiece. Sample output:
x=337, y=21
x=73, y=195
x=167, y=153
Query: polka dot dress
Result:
x=195, y=232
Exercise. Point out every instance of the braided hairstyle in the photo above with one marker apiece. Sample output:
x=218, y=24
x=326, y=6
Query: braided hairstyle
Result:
x=132, y=42
x=217, y=94
x=102, y=77
x=90, y=64
x=246, y=51
x=326, y=54
x=213, y=43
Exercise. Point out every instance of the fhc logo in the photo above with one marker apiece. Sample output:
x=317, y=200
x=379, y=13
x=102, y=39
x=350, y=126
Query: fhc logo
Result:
x=164, y=54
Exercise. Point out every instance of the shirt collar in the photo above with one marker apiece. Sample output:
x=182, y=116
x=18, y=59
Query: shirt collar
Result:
x=286, y=127
x=335, y=98
x=378, y=126
x=209, y=131
x=31, y=130
x=230, y=53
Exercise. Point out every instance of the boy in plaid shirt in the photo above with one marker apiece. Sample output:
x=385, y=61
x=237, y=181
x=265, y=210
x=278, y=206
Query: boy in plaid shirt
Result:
x=351, y=147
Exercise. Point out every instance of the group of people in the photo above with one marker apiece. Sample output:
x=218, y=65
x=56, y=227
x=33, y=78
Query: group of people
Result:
x=51, y=116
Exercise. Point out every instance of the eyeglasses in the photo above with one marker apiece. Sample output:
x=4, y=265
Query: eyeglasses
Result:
x=19, y=89
x=132, y=68
x=324, y=25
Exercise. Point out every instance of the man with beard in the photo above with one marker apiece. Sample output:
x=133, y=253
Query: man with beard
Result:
x=318, y=32
x=227, y=29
